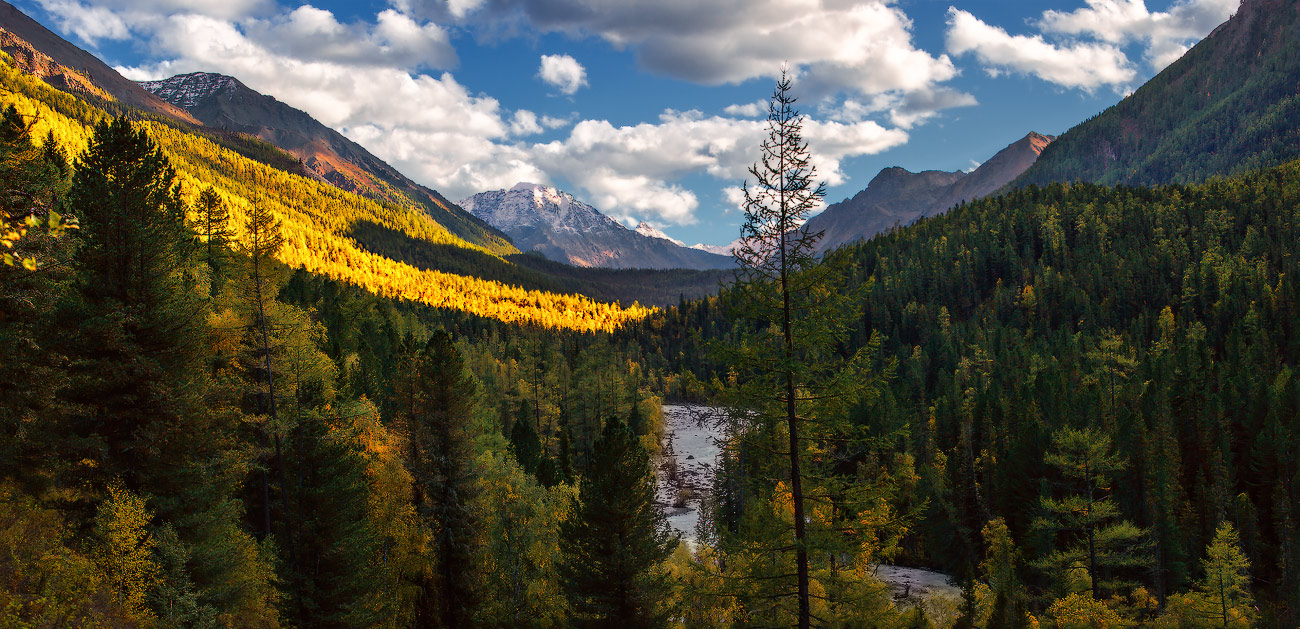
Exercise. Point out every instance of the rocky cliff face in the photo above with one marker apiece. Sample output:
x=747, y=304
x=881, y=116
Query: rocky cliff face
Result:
x=896, y=197
x=555, y=224
x=224, y=102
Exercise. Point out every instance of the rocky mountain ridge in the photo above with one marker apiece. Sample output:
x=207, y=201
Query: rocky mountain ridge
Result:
x=557, y=225
x=897, y=197
x=224, y=102
x=66, y=67
x=1230, y=104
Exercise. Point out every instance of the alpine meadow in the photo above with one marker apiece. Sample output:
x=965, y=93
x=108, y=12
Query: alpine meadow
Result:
x=993, y=320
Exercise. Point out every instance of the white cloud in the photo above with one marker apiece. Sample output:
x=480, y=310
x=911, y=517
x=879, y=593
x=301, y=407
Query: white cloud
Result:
x=90, y=23
x=113, y=19
x=563, y=72
x=1166, y=35
x=1081, y=65
x=833, y=46
x=360, y=78
x=747, y=110
x=629, y=170
x=734, y=196
x=551, y=122
x=315, y=34
x=524, y=122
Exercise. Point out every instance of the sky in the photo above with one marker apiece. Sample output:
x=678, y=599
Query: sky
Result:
x=652, y=110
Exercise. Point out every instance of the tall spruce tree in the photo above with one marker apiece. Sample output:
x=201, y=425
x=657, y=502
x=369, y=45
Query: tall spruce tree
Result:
x=615, y=539
x=32, y=180
x=792, y=385
x=1095, y=538
x=212, y=222
x=437, y=414
x=1225, y=597
x=137, y=322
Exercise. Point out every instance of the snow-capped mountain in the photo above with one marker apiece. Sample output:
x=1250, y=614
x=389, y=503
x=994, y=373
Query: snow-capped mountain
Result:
x=650, y=231
x=552, y=222
x=722, y=250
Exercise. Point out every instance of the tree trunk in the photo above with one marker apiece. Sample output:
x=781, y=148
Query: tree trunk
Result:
x=792, y=423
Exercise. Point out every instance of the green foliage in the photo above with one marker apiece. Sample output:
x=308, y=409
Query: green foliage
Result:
x=615, y=539
x=790, y=387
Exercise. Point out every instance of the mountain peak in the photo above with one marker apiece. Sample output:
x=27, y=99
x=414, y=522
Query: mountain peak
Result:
x=188, y=90
x=650, y=231
x=554, y=223
x=897, y=196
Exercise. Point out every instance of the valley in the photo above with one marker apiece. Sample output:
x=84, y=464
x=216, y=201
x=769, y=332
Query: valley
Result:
x=263, y=371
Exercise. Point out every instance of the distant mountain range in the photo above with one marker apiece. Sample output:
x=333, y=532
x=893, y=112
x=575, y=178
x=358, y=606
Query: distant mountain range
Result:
x=896, y=196
x=562, y=228
x=1231, y=104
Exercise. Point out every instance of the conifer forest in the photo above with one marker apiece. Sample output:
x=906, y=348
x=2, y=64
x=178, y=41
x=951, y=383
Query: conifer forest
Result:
x=238, y=392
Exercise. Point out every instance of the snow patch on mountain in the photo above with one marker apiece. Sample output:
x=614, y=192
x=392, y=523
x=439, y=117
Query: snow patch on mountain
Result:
x=650, y=231
x=722, y=250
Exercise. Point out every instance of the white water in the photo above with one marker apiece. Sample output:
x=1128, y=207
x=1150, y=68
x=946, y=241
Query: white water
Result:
x=690, y=445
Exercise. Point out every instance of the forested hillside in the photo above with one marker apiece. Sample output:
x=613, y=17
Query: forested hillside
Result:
x=1145, y=336
x=317, y=217
x=1230, y=105
x=193, y=434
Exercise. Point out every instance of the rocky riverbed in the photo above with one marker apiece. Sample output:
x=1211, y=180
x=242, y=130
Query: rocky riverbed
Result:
x=686, y=464
x=685, y=468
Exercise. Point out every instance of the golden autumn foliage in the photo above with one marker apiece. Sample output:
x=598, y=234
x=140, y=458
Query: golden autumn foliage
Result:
x=316, y=219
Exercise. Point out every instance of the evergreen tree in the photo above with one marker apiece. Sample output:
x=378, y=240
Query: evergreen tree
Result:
x=1224, y=593
x=792, y=384
x=615, y=539
x=523, y=440
x=437, y=420
x=32, y=181
x=137, y=325
x=999, y=568
x=1097, y=541
x=212, y=222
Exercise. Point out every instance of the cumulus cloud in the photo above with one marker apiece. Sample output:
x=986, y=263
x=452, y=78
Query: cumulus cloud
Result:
x=747, y=110
x=89, y=23
x=1089, y=41
x=833, y=46
x=563, y=72
x=525, y=122
x=627, y=170
x=394, y=40
x=112, y=19
x=1081, y=65
x=365, y=79
x=1166, y=35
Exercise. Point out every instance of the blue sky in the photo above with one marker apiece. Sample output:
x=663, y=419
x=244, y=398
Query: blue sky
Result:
x=644, y=108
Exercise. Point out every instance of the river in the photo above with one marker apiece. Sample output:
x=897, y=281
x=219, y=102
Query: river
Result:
x=688, y=459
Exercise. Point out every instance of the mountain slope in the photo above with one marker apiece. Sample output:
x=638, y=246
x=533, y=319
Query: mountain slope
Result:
x=316, y=217
x=1231, y=104
x=555, y=224
x=49, y=57
x=224, y=102
x=897, y=197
